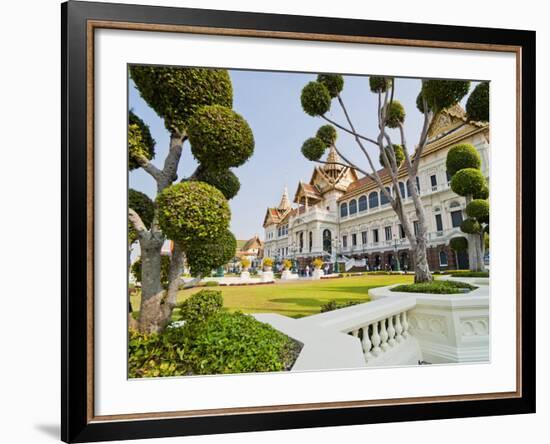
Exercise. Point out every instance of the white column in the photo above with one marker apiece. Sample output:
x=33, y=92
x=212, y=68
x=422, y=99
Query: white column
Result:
x=398, y=328
x=391, y=332
x=384, y=335
x=405, y=324
x=376, y=350
x=367, y=344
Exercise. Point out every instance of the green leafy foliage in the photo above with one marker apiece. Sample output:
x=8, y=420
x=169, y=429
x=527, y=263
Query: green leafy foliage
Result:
x=211, y=284
x=477, y=106
x=199, y=307
x=176, y=93
x=379, y=84
x=191, y=212
x=420, y=102
x=470, y=226
x=327, y=133
x=204, y=256
x=224, y=180
x=468, y=181
x=315, y=99
x=459, y=243
x=435, y=287
x=140, y=142
x=468, y=273
x=334, y=305
x=441, y=94
x=483, y=193
x=313, y=148
x=462, y=156
x=164, y=270
x=333, y=82
x=399, y=155
x=220, y=138
x=395, y=114
x=238, y=343
x=478, y=209
x=144, y=207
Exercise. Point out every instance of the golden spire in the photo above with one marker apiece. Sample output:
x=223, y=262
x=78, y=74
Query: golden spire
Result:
x=285, y=202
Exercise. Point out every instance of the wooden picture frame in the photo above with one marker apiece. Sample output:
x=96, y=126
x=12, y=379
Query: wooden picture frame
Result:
x=79, y=22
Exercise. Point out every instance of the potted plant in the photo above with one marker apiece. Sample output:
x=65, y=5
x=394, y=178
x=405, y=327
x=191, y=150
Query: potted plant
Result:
x=317, y=263
x=287, y=264
x=245, y=263
x=267, y=263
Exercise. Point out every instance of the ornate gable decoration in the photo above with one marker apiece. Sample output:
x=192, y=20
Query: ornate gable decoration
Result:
x=447, y=119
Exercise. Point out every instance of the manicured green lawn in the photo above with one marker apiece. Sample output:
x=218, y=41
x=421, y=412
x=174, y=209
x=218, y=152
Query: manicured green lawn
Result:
x=296, y=299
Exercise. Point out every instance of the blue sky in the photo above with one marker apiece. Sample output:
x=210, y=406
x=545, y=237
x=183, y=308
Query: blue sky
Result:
x=270, y=102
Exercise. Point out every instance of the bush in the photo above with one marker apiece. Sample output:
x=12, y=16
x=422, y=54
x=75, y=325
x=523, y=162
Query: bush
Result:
x=245, y=262
x=379, y=84
x=459, y=243
x=198, y=308
x=140, y=142
x=327, y=133
x=399, y=155
x=238, y=343
x=334, y=305
x=287, y=264
x=470, y=226
x=267, y=262
x=441, y=94
x=313, y=148
x=462, y=156
x=211, y=284
x=220, y=138
x=192, y=212
x=477, y=105
x=468, y=273
x=395, y=115
x=333, y=82
x=315, y=99
x=224, y=180
x=478, y=209
x=435, y=287
x=468, y=181
x=317, y=262
x=204, y=256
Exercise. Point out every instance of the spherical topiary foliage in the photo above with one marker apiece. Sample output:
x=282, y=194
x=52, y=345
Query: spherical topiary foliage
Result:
x=315, y=99
x=327, y=133
x=224, y=180
x=192, y=212
x=483, y=193
x=441, y=94
x=333, y=82
x=379, y=84
x=468, y=181
x=459, y=243
x=164, y=270
x=420, y=102
x=399, y=155
x=313, y=148
x=477, y=106
x=478, y=209
x=176, y=93
x=140, y=142
x=203, y=257
x=462, y=156
x=470, y=226
x=220, y=138
x=144, y=207
x=395, y=114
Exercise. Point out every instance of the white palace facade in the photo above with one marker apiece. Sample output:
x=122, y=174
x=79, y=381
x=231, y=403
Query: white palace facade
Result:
x=343, y=218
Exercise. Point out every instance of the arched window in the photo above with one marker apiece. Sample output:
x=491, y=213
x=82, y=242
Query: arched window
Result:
x=310, y=240
x=409, y=194
x=327, y=241
x=383, y=199
x=373, y=199
x=402, y=190
x=344, y=210
x=352, y=207
x=363, y=203
x=443, y=259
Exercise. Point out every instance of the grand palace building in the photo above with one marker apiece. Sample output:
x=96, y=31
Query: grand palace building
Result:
x=343, y=218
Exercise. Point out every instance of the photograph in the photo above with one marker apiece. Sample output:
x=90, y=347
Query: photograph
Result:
x=286, y=221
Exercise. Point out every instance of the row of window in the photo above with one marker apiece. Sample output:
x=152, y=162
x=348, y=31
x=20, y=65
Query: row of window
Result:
x=282, y=230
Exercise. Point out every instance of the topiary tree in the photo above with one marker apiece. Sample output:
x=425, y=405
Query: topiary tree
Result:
x=195, y=104
x=435, y=95
x=464, y=163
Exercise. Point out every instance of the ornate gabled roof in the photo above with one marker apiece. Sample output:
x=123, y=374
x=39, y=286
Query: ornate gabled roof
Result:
x=306, y=189
x=251, y=243
x=285, y=202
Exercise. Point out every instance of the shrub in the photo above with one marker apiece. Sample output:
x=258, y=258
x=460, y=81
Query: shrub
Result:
x=287, y=264
x=176, y=93
x=267, y=262
x=317, y=262
x=478, y=209
x=459, y=243
x=313, y=148
x=315, y=99
x=399, y=155
x=220, y=138
x=238, y=343
x=334, y=305
x=468, y=273
x=224, y=180
x=395, y=114
x=441, y=94
x=140, y=142
x=483, y=193
x=477, y=105
x=211, y=284
x=462, y=156
x=245, y=262
x=435, y=287
x=470, y=226
x=379, y=84
x=204, y=256
x=192, y=211
x=333, y=82
x=467, y=182
x=201, y=306
x=327, y=133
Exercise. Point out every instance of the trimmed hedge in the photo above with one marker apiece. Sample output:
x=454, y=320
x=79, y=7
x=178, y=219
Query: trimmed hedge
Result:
x=334, y=305
x=315, y=99
x=462, y=156
x=201, y=306
x=435, y=287
x=468, y=273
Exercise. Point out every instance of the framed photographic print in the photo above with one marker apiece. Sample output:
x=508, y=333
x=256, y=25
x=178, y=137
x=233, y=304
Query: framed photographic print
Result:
x=276, y=221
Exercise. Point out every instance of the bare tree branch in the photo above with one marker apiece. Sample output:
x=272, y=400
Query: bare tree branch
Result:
x=347, y=130
x=149, y=167
x=136, y=221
